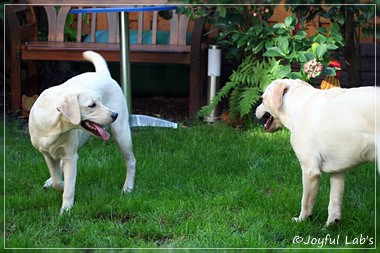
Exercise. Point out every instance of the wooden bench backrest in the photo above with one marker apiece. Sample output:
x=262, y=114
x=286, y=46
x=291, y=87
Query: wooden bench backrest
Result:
x=57, y=19
x=26, y=28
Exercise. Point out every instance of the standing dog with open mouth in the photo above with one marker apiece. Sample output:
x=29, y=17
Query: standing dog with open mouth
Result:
x=331, y=131
x=64, y=116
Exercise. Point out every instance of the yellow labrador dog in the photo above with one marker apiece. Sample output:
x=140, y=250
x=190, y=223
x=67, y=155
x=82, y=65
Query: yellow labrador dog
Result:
x=64, y=116
x=331, y=131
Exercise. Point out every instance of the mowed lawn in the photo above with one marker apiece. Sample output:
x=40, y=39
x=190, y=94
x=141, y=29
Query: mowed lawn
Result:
x=202, y=186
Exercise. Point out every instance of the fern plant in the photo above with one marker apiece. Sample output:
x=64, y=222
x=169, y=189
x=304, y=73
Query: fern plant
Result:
x=247, y=84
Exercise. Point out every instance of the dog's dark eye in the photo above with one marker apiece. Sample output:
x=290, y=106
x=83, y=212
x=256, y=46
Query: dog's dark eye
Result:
x=92, y=105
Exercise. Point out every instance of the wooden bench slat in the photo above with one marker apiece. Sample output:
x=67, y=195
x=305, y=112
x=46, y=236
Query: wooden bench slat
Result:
x=182, y=29
x=73, y=51
x=160, y=48
x=79, y=27
x=174, y=30
x=60, y=45
x=93, y=27
x=140, y=26
x=61, y=21
x=113, y=28
x=51, y=14
x=154, y=27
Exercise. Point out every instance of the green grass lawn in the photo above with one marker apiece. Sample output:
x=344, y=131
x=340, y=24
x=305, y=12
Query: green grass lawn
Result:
x=204, y=186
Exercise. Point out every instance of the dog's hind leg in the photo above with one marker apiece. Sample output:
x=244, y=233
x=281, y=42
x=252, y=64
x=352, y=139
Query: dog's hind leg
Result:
x=336, y=198
x=131, y=171
x=122, y=134
x=310, y=181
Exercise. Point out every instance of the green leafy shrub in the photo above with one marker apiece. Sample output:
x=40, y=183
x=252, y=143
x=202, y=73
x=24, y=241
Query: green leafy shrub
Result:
x=272, y=52
x=295, y=47
x=284, y=42
x=246, y=85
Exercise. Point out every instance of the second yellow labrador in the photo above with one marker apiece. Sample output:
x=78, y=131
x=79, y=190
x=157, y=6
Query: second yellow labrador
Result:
x=331, y=131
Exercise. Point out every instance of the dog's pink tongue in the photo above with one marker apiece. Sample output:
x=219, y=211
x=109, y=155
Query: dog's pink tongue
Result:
x=267, y=124
x=103, y=133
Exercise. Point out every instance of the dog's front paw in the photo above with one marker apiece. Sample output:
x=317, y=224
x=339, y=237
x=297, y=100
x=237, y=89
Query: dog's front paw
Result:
x=128, y=185
x=301, y=218
x=64, y=210
x=66, y=207
x=49, y=184
x=127, y=190
x=296, y=219
x=332, y=223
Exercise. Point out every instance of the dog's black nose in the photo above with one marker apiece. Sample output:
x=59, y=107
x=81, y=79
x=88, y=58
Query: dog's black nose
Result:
x=114, y=115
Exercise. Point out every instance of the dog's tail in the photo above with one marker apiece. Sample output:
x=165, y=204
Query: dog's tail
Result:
x=98, y=61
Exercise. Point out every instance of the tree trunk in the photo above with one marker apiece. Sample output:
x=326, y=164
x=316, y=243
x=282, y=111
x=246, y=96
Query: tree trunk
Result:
x=351, y=50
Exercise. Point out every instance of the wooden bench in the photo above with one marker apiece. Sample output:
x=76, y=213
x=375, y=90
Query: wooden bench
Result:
x=25, y=46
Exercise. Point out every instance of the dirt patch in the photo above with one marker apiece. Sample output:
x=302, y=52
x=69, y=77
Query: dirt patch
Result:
x=175, y=109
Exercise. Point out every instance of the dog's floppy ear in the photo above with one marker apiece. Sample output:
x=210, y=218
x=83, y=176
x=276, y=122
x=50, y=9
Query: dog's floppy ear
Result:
x=69, y=108
x=278, y=93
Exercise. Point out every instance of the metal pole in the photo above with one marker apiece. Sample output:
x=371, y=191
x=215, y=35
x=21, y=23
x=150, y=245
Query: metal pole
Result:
x=125, y=66
x=213, y=85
